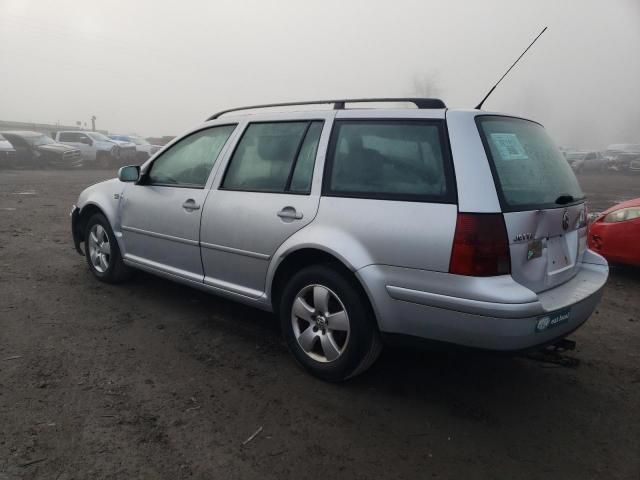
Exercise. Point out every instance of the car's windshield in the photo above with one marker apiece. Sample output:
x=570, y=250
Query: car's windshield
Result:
x=99, y=137
x=37, y=140
x=529, y=169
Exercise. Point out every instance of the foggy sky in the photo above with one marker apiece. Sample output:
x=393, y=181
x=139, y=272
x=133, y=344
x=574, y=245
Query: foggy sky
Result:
x=159, y=67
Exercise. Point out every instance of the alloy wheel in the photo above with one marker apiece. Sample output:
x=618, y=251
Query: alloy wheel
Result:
x=320, y=323
x=99, y=248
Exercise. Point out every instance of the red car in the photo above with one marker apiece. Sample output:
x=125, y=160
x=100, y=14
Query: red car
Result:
x=615, y=234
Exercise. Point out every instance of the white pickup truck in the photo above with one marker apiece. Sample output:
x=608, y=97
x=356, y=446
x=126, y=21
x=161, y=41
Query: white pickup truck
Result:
x=97, y=149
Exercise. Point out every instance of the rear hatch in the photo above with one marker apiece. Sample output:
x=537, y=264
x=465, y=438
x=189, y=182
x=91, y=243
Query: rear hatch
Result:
x=542, y=203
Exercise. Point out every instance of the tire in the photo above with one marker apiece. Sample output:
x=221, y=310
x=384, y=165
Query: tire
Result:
x=103, y=257
x=332, y=354
x=104, y=161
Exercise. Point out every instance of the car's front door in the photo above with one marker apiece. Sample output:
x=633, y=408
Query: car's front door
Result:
x=81, y=141
x=161, y=213
x=264, y=197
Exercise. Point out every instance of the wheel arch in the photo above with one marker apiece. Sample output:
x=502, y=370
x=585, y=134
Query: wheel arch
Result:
x=305, y=256
x=86, y=212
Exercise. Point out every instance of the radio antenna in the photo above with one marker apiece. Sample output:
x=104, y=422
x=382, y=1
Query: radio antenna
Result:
x=513, y=65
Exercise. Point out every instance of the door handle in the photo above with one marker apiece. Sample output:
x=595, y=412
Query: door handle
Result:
x=190, y=205
x=290, y=213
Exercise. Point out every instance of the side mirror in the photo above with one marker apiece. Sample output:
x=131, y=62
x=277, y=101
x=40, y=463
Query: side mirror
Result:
x=86, y=141
x=129, y=173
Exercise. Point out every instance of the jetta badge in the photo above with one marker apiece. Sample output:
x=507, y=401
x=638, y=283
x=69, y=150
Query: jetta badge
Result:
x=523, y=237
x=565, y=220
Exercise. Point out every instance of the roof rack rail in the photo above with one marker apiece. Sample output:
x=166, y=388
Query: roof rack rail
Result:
x=421, y=103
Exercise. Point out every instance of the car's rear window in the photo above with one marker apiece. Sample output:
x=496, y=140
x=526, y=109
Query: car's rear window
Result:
x=529, y=170
x=390, y=159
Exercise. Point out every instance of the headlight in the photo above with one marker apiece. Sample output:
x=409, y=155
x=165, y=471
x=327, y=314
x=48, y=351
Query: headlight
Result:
x=622, y=215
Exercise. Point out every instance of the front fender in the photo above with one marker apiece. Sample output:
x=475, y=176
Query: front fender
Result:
x=106, y=197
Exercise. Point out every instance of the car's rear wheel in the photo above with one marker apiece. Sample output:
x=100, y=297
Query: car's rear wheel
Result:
x=102, y=251
x=328, y=323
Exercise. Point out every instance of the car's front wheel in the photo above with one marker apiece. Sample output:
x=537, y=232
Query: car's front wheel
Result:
x=328, y=323
x=104, y=160
x=102, y=251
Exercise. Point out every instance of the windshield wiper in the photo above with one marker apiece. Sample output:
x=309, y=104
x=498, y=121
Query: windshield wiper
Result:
x=564, y=199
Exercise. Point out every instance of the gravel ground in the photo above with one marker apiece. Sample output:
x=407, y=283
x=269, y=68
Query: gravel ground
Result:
x=154, y=380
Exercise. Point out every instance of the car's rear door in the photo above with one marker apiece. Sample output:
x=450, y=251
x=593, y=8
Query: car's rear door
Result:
x=160, y=219
x=389, y=185
x=543, y=205
x=265, y=194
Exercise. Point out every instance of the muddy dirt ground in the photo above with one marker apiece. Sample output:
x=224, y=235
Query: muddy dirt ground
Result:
x=154, y=380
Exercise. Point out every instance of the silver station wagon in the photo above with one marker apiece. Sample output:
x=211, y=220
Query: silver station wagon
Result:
x=360, y=226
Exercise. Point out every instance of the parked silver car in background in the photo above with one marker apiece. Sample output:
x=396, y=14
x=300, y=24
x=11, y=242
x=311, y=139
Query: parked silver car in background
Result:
x=127, y=152
x=623, y=157
x=575, y=159
x=144, y=149
x=357, y=226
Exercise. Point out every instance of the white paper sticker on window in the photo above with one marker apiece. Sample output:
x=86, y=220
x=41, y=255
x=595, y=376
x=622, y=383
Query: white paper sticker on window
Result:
x=509, y=146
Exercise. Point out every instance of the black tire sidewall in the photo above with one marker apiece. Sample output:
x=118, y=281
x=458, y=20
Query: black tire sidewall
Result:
x=109, y=274
x=103, y=161
x=361, y=321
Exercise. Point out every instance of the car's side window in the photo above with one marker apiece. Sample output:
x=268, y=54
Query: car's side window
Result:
x=274, y=157
x=189, y=162
x=390, y=159
x=66, y=137
x=18, y=142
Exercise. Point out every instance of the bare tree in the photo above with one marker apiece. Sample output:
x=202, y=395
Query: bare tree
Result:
x=426, y=85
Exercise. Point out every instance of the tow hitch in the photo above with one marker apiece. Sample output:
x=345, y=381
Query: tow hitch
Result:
x=555, y=354
x=563, y=345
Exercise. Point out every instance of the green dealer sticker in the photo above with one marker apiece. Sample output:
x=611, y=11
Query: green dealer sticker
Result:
x=553, y=320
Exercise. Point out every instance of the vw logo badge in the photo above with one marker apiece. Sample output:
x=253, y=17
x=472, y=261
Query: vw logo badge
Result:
x=565, y=220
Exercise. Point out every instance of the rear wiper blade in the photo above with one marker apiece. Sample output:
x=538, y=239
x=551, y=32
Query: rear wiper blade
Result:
x=564, y=199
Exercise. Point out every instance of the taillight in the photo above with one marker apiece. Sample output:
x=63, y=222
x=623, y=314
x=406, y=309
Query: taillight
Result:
x=480, y=246
x=583, y=217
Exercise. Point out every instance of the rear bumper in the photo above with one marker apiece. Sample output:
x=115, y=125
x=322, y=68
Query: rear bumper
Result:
x=494, y=313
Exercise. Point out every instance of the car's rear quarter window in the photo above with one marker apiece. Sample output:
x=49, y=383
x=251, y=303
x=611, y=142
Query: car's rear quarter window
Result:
x=390, y=159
